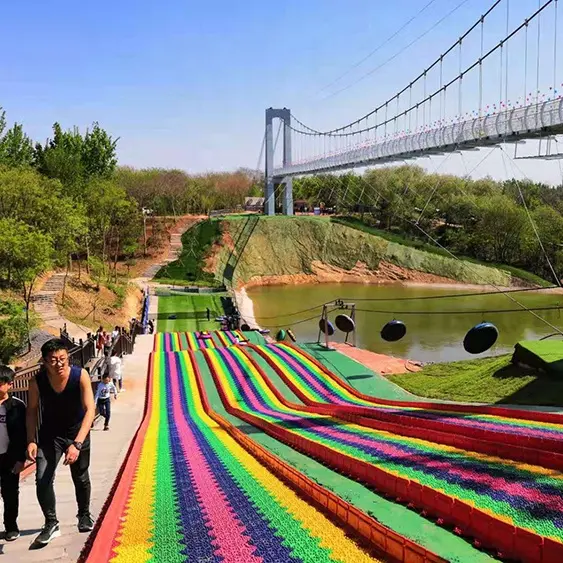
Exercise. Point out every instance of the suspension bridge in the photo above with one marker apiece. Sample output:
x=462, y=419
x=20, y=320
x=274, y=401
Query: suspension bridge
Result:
x=508, y=93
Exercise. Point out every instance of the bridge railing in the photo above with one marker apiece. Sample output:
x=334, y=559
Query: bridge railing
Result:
x=509, y=125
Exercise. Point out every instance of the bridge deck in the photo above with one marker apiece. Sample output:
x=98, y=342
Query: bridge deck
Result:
x=108, y=451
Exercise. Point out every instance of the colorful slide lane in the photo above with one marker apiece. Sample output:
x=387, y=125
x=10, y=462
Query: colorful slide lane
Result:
x=515, y=508
x=189, y=491
x=534, y=441
x=177, y=341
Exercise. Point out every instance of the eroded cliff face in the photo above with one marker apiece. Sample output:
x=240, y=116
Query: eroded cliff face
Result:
x=291, y=250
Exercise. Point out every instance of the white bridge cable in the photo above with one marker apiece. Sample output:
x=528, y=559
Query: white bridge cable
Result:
x=380, y=46
x=336, y=132
x=398, y=53
x=438, y=61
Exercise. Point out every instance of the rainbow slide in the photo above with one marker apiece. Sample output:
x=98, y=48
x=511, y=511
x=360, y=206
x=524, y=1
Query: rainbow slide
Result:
x=514, y=508
x=189, y=490
x=527, y=440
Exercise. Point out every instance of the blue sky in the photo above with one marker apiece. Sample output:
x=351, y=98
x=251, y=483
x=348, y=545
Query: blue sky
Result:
x=184, y=84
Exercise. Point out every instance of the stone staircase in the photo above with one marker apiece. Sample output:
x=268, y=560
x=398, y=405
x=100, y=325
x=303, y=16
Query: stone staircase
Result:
x=175, y=245
x=44, y=304
x=44, y=300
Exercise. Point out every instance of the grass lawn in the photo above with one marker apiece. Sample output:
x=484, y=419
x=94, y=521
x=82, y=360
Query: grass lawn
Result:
x=487, y=380
x=190, y=312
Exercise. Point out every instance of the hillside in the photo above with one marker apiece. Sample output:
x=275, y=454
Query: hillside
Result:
x=258, y=250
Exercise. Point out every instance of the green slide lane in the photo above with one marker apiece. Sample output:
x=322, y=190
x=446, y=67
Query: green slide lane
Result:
x=358, y=376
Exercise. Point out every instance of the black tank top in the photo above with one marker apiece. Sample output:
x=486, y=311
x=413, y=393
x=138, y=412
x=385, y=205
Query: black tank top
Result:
x=62, y=413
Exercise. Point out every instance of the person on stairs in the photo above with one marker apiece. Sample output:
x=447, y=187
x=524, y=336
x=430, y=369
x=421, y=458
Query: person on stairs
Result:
x=103, y=398
x=12, y=452
x=67, y=405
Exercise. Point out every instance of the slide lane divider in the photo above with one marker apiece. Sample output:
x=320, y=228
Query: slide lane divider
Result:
x=535, y=451
x=512, y=541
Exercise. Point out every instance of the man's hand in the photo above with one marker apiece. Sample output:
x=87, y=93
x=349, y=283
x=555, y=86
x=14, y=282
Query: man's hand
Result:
x=18, y=467
x=31, y=451
x=71, y=455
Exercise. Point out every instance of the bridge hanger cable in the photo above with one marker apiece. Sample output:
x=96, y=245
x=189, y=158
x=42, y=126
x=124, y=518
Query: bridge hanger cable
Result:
x=379, y=47
x=336, y=132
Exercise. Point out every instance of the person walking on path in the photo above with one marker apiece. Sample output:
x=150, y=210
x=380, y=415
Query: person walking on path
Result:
x=12, y=452
x=115, y=371
x=68, y=410
x=108, y=341
x=103, y=398
x=100, y=341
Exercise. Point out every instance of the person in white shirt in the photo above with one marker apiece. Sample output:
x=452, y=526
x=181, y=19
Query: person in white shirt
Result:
x=115, y=372
x=103, y=398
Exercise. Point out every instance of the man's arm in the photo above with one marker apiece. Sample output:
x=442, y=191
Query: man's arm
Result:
x=31, y=419
x=87, y=397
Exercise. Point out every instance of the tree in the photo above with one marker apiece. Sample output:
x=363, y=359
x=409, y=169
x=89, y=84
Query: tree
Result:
x=13, y=329
x=74, y=159
x=549, y=227
x=25, y=254
x=498, y=234
x=41, y=203
x=16, y=148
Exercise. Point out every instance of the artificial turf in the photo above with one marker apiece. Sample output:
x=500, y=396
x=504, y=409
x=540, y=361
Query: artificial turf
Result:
x=178, y=313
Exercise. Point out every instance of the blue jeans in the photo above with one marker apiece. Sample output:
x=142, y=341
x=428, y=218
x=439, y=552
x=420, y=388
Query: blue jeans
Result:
x=104, y=406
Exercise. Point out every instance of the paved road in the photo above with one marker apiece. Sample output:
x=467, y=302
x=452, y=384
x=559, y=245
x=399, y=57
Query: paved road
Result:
x=108, y=451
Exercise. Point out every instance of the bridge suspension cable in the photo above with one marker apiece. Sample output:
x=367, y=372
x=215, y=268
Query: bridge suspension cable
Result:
x=379, y=47
x=400, y=52
x=420, y=77
x=343, y=131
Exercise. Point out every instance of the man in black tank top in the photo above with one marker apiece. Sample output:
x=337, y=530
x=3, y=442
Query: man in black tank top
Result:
x=64, y=394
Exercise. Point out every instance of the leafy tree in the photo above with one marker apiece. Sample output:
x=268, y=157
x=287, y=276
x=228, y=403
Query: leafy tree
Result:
x=74, y=159
x=25, y=254
x=16, y=148
x=41, y=203
x=13, y=329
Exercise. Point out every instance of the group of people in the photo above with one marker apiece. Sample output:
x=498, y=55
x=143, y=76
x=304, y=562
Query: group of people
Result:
x=105, y=340
x=68, y=407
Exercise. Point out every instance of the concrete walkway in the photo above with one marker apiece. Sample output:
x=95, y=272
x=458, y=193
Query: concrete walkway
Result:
x=108, y=452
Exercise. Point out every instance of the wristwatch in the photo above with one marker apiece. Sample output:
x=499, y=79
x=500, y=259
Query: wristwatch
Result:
x=77, y=445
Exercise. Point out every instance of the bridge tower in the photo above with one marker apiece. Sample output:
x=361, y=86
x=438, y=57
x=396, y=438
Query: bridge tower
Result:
x=272, y=182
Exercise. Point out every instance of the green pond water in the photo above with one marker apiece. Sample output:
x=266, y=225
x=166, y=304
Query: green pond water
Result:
x=432, y=335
